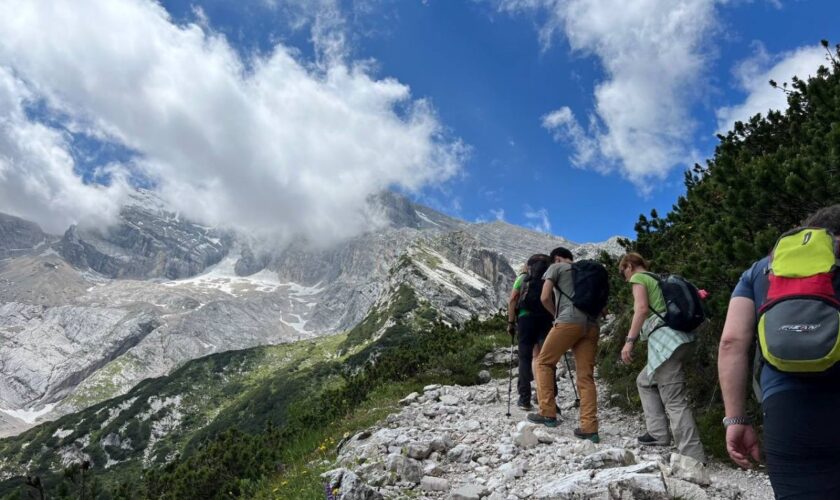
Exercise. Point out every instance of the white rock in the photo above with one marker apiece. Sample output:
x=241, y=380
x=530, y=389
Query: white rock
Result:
x=544, y=436
x=526, y=425
x=429, y=483
x=687, y=469
x=450, y=400
x=442, y=443
x=461, y=453
x=470, y=425
x=467, y=492
x=406, y=468
x=409, y=399
x=611, y=457
x=418, y=450
x=584, y=447
x=684, y=490
x=512, y=471
x=432, y=469
x=506, y=449
x=598, y=484
x=525, y=438
x=432, y=387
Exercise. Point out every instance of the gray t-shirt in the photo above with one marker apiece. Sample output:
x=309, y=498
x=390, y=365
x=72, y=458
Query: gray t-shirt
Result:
x=565, y=312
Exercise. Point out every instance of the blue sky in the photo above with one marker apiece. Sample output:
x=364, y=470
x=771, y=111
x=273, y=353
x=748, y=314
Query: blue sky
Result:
x=492, y=71
x=490, y=81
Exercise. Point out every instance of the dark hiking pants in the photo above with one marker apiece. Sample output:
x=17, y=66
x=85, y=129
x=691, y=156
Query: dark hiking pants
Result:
x=532, y=331
x=802, y=444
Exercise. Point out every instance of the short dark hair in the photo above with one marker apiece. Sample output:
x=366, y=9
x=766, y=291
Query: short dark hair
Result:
x=561, y=252
x=826, y=217
x=538, y=257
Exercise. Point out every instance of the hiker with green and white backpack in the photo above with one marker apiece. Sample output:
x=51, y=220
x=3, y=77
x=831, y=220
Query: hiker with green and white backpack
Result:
x=665, y=312
x=788, y=303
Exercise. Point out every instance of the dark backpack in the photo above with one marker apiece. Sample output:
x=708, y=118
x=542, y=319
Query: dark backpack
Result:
x=683, y=305
x=592, y=287
x=532, y=284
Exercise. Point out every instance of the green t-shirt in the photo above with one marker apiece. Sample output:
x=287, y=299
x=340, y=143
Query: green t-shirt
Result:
x=656, y=301
x=517, y=285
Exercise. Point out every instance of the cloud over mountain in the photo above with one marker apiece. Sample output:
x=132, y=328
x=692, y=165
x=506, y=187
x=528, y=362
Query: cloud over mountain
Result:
x=263, y=141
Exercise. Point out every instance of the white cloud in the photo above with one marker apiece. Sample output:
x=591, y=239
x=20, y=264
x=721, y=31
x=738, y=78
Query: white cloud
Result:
x=37, y=179
x=498, y=214
x=754, y=74
x=564, y=127
x=538, y=220
x=653, y=56
x=272, y=143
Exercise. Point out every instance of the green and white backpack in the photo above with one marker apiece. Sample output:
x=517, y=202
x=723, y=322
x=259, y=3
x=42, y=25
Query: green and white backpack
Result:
x=799, y=323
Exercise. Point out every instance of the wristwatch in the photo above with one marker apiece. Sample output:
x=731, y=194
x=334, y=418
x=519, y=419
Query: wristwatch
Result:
x=727, y=421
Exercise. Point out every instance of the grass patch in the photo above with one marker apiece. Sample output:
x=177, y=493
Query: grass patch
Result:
x=304, y=459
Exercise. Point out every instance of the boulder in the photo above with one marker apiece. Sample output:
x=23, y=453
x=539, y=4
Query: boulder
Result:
x=468, y=492
x=684, y=490
x=484, y=377
x=429, y=483
x=611, y=457
x=461, y=453
x=418, y=450
x=687, y=469
x=346, y=485
x=409, y=399
x=405, y=468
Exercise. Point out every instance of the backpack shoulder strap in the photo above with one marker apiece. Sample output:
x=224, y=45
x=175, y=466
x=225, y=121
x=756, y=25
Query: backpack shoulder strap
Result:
x=659, y=283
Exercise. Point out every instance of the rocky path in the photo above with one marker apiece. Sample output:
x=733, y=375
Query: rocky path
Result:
x=456, y=442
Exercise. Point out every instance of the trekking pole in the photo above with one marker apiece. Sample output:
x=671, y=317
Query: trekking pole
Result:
x=572, y=379
x=510, y=376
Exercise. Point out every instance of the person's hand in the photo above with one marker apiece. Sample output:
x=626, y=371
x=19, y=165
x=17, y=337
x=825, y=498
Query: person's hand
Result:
x=742, y=444
x=511, y=329
x=627, y=353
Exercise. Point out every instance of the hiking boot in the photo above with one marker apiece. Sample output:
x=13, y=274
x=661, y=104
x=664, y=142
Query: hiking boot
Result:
x=539, y=419
x=649, y=440
x=524, y=404
x=591, y=436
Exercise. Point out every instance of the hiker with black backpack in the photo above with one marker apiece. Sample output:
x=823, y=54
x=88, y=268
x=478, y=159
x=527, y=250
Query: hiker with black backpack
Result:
x=528, y=318
x=575, y=293
x=788, y=305
x=667, y=327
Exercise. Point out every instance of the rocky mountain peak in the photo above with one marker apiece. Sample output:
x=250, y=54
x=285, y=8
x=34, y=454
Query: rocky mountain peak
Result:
x=148, y=241
x=18, y=235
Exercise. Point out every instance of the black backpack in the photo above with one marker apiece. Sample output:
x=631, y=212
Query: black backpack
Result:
x=683, y=305
x=592, y=287
x=532, y=284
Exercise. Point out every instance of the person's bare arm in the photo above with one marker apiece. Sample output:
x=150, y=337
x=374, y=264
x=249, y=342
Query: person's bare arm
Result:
x=733, y=370
x=641, y=308
x=547, y=296
x=514, y=300
x=733, y=354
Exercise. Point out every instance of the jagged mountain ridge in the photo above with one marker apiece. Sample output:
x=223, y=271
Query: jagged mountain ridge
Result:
x=87, y=317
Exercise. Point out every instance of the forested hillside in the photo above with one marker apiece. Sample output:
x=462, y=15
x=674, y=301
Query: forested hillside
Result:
x=765, y=177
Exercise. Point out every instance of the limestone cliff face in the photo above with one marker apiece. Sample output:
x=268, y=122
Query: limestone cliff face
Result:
x=87, y=316
x=149, y=241
x=18, y=236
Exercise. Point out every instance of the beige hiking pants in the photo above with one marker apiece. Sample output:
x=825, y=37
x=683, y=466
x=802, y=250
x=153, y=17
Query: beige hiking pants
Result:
x=664, y=400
